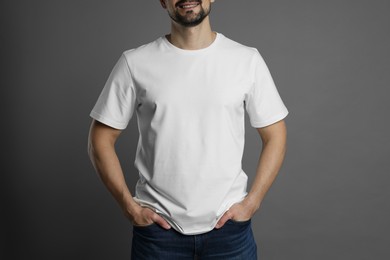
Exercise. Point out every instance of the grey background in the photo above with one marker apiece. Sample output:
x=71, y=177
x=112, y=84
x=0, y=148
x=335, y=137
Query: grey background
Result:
x=329, y=59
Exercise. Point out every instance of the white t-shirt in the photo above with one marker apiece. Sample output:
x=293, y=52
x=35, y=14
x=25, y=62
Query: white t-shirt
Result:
x=190, y=107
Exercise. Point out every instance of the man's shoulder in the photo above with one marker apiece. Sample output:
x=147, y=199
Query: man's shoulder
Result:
x=231, y=45
x=142, y=50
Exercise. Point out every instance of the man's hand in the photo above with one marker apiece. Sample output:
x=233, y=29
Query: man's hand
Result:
x=241, y=211
x=142, y=216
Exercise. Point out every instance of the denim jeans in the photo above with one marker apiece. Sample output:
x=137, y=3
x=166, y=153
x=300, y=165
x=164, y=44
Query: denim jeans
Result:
x=233, y=241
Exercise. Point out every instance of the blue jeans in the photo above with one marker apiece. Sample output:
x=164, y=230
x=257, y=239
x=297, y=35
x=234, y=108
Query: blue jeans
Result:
x=233, y=241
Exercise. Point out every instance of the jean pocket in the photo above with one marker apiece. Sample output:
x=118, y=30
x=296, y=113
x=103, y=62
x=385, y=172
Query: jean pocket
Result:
x=144, y=227
x=239, y=222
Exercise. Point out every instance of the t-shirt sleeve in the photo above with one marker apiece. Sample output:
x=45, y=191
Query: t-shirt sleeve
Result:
x=115, y=105
x=263, y=102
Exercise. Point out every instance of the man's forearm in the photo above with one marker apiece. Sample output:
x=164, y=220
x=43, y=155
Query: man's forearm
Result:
x=107, y=165
x=269, y=164
x=270, y=161
x=110, y=172
x=101, y=149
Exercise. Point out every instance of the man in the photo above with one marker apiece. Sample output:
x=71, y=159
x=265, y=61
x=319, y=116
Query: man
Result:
x=190, y=90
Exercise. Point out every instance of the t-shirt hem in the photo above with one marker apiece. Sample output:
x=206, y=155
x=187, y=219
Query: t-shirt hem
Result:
x=212, y=226
x=274, y=119
x=107, y=121
x=186, y=231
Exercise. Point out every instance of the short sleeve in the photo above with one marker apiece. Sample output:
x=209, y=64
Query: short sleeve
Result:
x=263, y=102
x=115, y=105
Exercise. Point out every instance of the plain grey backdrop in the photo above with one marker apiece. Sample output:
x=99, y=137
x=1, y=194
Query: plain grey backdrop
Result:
x=329, y=59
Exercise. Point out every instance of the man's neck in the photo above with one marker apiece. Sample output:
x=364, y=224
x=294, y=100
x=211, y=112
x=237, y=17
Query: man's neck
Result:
x=192, y=38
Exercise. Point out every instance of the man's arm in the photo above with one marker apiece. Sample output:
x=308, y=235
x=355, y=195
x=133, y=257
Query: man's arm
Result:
x=101, y=150
x=271, y=158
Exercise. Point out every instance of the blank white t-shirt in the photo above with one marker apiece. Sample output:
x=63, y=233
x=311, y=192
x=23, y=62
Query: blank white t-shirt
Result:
x=190, y=107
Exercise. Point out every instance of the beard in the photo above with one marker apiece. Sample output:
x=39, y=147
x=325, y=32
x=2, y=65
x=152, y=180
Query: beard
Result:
x=190, y=19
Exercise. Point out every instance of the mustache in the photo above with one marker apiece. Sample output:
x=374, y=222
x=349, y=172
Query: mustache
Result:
x=188, y=1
